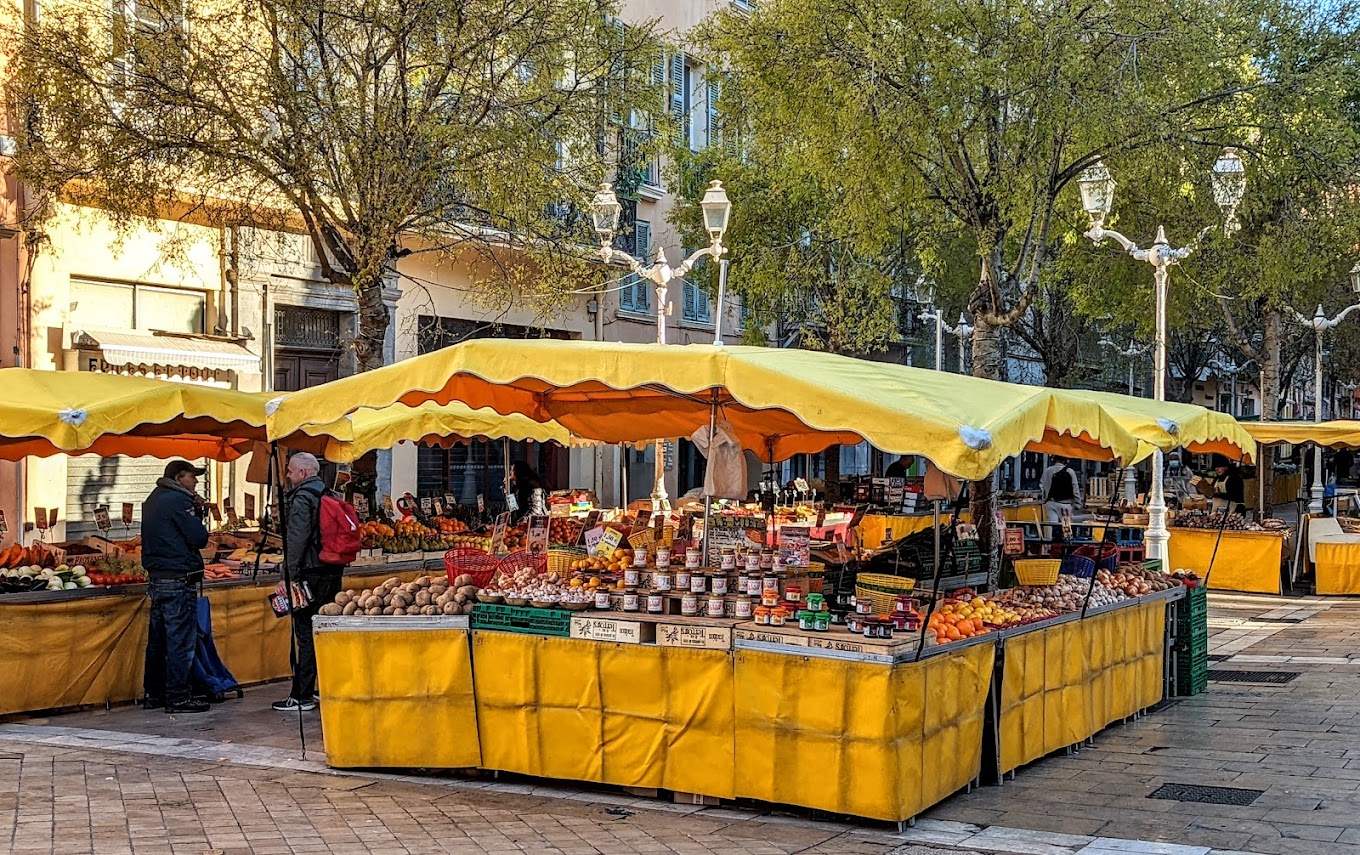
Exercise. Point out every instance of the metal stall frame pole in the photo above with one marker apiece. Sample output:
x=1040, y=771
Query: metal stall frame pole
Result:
x=708, y=499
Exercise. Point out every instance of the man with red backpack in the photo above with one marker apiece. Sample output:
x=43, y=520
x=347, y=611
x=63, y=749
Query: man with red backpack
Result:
x=321, y=536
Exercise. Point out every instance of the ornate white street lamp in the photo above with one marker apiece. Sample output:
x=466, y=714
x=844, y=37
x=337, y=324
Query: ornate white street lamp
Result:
x=1097, y=198
x=604, y=212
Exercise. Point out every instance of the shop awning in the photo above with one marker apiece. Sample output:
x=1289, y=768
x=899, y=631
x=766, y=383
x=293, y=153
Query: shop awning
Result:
x=1343, y=433
x=1168, y=424
x=780, y=402
x=130, y=348
x=433, y=424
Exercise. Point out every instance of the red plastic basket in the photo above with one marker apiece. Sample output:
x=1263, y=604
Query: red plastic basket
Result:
x=519, y=559
x=481, y=566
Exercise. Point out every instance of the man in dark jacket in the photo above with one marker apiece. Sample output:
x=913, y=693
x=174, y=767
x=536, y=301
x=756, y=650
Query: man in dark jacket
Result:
x=172, y=535
x=302, y=547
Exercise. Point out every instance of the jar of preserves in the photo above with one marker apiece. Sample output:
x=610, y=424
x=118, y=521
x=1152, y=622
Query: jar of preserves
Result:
x=640, y=558
x=778, y=616
x=816, y=603
x=742, y=607
x=863, y=605
x=805, y=622
x=754, y=585
x=682, y=578
x=632, y=577
x=821, y=621
x=727, y=560
x=602, y=600
x=753, y=561
x=718, y=583
x=715, y=607
x=689, y=604
x=793, y=593
x=767, y=559
x=656, y=603
x=698, y=583
x=769, y=582
x=663, y=557
x=769, y=598
x=761, y=615
x=630, y=601
x=694, y=558
x=661, y=580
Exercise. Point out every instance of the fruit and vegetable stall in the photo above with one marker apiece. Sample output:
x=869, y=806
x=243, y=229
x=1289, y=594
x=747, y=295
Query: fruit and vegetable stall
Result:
x=712, y=681
x=1246, y=556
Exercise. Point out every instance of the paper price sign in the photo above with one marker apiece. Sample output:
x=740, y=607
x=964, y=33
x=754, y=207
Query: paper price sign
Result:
x=4, y=524
x=127, y=513
x=481, y=504
x=592, y=520
x=250, y=506
x=361, y=507
x=511, y=502
x=644, y=516
x=216, y=512
x=426, y=506
x=498, y=533
x=40, y=517
x=593, y=537
x=101, y=518
x=800, y=484
x=229, y=507
x=610, y=542
x=450, y=502
x=438, y=506
x=1015, y=541
x=52, y=518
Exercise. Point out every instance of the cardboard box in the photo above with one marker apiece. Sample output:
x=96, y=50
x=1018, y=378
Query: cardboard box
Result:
x=694, y=635
x=619, y=630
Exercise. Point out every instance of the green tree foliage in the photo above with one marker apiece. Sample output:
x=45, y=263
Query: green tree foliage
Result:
x=378, y=127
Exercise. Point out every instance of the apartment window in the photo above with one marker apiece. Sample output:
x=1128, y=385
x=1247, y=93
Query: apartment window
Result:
x=743, y=312
x=635, y=295
x=119, y=305
x=697, y=309
x=143, y=31
x=681, y=106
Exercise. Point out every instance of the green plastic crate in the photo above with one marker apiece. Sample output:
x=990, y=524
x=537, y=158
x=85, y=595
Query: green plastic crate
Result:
x=525, y=619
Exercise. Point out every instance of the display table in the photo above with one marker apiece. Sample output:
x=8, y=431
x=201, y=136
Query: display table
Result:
x=854, y=734
x=1247, y=560
x=398, y=692
x=75, y=648
x=1066, y=681
x=1337, y=565
x=633, y=715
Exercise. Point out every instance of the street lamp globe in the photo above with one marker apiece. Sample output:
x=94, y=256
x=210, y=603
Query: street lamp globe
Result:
x=1097, y=192
x=1229, y=185
x=1354, y=276
x=604, y=212
x=716, y=208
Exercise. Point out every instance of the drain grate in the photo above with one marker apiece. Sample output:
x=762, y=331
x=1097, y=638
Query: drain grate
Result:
x=1205, y=795
x=1279, y=678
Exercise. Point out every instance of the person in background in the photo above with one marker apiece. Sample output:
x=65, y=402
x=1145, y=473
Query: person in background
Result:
x=530, y=491
x=1229, y=488
x=1342, y=464
x=302, y=548
x=172, y=535
x=1061, y=488
x=901, y=466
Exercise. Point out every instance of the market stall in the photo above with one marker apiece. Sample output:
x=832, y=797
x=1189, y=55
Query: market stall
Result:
x=1245, y=557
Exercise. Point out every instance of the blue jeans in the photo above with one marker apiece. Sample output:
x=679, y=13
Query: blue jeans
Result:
x=171, y=639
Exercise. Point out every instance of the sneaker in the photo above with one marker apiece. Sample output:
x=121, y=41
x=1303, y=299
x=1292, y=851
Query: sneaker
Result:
x=316, y=697
x=294, y=705
x=189, y=706
x=150, y=703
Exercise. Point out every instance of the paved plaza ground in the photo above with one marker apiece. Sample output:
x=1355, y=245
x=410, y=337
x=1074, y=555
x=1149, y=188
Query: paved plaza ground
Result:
x=236, y=781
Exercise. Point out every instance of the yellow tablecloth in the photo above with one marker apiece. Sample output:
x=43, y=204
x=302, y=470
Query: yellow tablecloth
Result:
x=624, y=714
x=1065, y=683
x=397, y=698
x=879, y=741
x=874, y=527
x=1338, y=568
x=90, y=650
x=1247, y=560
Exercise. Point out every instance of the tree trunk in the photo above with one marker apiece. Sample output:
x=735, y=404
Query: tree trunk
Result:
x=988, y=362
x=1270, y=401
x=374, y=319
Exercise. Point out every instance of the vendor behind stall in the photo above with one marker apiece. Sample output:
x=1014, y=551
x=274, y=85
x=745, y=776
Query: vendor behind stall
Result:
x=530, y=491
x=1061, y=488
x=1229, y=489
x=900, y=467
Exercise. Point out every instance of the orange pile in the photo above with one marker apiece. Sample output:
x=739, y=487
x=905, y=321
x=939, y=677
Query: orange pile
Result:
x=952, y=627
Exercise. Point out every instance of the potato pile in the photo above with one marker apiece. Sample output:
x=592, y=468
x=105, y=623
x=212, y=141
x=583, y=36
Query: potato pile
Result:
x=426, y=596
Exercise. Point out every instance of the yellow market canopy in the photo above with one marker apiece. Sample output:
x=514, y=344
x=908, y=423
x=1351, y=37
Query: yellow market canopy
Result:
x=1168, y=424
x=780, y=402
x=1335, y=434
x=434, y=424
x=79, y=412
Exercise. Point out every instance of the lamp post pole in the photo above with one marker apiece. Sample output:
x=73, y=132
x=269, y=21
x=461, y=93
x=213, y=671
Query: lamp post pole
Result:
x=1097, y=196
x=1132, y=353
x=1321, y=324
x=605, y=210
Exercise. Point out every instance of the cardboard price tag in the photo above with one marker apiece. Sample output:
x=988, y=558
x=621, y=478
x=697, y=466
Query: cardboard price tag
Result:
x=40, y=517
x=593, y=536
x=610, y=542
x=4, y=524
x=498, y=533
x=538, y=534
x=644, y=516
x=101, y=518
x=1015, y=541
x=481, y=504
x=52, y=518
x=592, y=520
x=426, y=505
x=511, y=503
x=127, y=514
x=250, y=506
x=215, y=512
x=229, y=507
x=361, y=507
x=450, y=502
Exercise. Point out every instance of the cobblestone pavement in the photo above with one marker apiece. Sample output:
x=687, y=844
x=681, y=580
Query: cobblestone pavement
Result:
x=234, y=781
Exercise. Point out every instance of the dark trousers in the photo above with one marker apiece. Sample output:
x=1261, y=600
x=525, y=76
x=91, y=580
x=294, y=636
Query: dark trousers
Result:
x=171, y=639
x=324, y=587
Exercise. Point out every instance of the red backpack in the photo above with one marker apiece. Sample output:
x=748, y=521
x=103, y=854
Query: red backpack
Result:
x=340, y=535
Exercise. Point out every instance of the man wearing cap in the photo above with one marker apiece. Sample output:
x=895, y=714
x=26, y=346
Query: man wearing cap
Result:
x=172, y=535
